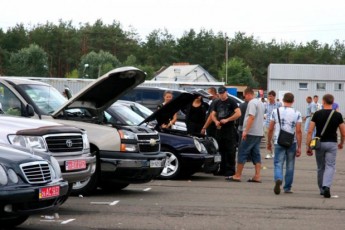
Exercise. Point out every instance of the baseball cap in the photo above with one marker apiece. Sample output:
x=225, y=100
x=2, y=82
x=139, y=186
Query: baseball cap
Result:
x=222, y=89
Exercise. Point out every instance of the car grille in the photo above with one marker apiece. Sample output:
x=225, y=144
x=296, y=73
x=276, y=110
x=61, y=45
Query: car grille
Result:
x=148, y=143
x=36, y=172
x=64, y=143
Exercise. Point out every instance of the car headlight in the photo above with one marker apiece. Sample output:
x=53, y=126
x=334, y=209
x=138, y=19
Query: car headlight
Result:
x=31, y=142
x=86, y=143
x=12, y=176
x=199, y=146
x=56, y=168
x=215, y=143
x=128, y=141
x=3, y=176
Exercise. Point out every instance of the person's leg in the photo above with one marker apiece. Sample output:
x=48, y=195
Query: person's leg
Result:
x=330, y=159
x=306, y=125
x=230, y=155
x=320, y=162
x=279, y=158
x=269, y=154
x=243, y=153
x=256, y=156
x=290, y=167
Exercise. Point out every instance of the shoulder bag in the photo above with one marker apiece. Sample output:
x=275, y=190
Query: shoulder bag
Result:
x=285, y=138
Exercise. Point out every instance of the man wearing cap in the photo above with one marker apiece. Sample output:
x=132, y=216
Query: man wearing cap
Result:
x=225, y=112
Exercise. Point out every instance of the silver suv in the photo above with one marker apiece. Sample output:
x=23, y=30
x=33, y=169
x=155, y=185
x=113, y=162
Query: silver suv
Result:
x=69, y=145
x=120, y=160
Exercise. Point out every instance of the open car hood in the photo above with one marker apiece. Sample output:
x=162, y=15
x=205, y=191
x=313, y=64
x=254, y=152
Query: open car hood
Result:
x=104, y=91
x=163, y=114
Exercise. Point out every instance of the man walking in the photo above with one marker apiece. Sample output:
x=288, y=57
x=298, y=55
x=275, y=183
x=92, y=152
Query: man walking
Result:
x=251, y=137
x=326, y=155
x=269, y=107
x=225, y=112
x=290, y=121
x=308, y=114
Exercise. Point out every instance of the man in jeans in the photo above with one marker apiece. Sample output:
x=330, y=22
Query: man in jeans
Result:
x=326, y=155
x=251, y=137
x=290, y=121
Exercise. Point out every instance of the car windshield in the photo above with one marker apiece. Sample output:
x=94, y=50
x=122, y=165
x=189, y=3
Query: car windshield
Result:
x=127, y=115
x=141, y=110
x=46, y=98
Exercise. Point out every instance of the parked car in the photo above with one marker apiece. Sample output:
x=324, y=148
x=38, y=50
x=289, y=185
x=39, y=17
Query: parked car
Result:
x=119, y=162
x=185, y=154
x=30, y=183
x=69, y=145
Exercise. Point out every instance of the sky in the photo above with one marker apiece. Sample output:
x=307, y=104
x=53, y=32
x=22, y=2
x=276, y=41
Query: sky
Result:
x=297, y=21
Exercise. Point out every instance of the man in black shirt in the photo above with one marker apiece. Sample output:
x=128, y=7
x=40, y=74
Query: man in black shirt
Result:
x=225, y=112
x=326, y=155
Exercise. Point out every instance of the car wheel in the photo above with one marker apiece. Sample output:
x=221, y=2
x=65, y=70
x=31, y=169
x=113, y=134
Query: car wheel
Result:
x=13, y=222
x=172, y=168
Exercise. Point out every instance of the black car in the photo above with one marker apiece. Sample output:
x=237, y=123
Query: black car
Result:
x=29, y=183
x=185, y=154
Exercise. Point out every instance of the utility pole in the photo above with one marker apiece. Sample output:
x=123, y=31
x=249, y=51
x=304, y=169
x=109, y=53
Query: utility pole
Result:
x=226, y=59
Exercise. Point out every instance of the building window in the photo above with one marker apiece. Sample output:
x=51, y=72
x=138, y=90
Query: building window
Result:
x=303, y=85
x=338, y=86
x=320, y=86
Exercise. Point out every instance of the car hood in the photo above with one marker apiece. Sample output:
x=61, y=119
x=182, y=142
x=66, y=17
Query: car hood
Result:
x=103, y=92
x=15, y=155
x=163, y=114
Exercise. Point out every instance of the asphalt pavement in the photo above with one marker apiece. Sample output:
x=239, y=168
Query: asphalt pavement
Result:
x=208, y=202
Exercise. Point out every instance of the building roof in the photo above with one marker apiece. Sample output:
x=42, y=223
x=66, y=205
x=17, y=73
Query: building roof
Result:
x=182, y=72
x=306, y=72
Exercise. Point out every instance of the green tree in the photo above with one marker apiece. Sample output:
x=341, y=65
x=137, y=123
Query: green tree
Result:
x=238, y=73
x=31, y=61
x=94, y=65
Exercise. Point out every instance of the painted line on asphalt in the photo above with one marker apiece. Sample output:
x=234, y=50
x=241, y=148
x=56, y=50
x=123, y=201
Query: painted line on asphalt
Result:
x=147, y=189
x=106, y=203
x=67, y=221
x=114, y=202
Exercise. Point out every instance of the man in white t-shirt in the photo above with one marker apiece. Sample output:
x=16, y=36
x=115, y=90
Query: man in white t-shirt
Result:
x=290, y=121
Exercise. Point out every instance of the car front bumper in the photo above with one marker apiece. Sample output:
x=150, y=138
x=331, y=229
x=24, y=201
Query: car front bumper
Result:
x=124, y=167
x=23, y=199
x=78, y=174
x=201, y=162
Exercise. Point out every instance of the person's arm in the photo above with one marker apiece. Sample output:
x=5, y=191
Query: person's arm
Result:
x=270, y=135
x=299, y=138
x=214, y=118
x=342, y=133
x=309, y=137
x=249, y=124
x=235, y=116
x=207, y=124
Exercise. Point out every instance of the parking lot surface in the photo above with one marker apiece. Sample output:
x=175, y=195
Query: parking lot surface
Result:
x=208, y=202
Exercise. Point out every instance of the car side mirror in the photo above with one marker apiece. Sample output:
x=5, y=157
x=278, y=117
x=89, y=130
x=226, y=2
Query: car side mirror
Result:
x=30, y=112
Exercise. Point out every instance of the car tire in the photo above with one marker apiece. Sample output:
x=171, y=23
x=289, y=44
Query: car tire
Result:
x=13, y=222
x=173, y=165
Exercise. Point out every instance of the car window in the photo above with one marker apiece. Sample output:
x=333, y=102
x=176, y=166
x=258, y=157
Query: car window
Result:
x=126, y=115
x=9, y=102
x=46, y=98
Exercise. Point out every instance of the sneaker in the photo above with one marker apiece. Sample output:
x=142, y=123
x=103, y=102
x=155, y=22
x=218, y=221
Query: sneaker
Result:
x=276, y=188
x=269, y=156
x=326, y=192
x=288, y=191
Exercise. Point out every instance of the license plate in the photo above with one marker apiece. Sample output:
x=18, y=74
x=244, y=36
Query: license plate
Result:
x=49, y=192
x=217, y=159
x=155, y=164
x=75, y=165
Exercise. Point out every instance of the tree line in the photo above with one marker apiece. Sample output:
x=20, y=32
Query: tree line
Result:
x=90, y=50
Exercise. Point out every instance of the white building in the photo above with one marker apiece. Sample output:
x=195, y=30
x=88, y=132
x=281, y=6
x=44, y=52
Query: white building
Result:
x=307, y=80
x=183, y=72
